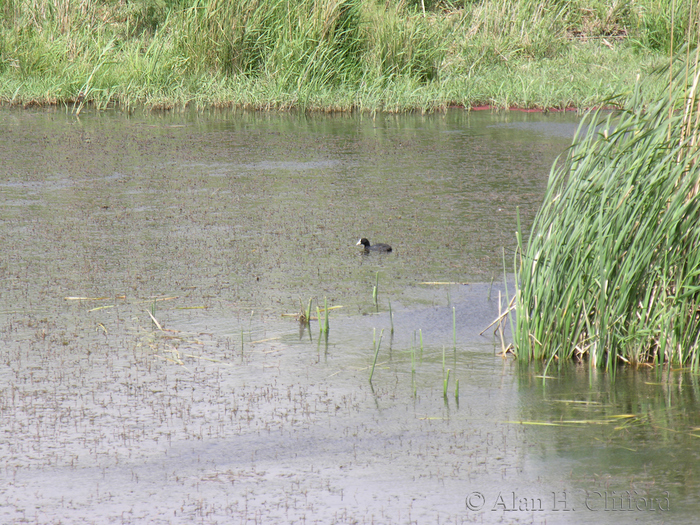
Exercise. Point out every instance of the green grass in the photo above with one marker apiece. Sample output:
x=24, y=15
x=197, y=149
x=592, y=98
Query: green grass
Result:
x=331, y=55
x=375, y=290
x=323, y=327
x=611, y=272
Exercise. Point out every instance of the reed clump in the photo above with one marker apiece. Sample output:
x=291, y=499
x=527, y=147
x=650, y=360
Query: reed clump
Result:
x=611, y=272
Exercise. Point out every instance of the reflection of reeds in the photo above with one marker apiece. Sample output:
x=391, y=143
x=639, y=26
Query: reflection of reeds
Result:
x=413, y=369
x=377, y=344
x=454, y=328
x=391, y=318
x=445, y=377
x=420, y=335
x=612, y=268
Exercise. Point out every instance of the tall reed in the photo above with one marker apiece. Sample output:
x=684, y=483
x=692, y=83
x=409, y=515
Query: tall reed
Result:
x=375, y=290
x=612, y=268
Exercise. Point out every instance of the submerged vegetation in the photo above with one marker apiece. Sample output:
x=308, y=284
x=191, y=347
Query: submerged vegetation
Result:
x=332, y=54
x=612, y=269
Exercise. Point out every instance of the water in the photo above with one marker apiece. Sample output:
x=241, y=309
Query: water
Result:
x=228, y=410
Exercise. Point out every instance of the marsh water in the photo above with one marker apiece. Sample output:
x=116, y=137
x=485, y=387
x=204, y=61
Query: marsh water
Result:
x=153, y=368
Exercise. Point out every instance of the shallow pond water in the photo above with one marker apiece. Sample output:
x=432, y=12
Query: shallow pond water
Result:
x=149, y=372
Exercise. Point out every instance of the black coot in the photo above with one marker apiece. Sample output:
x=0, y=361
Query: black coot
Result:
x=381, y=247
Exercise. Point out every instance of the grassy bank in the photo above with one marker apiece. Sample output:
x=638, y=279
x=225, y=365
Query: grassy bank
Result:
x=333, y=54
x=611, y=272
